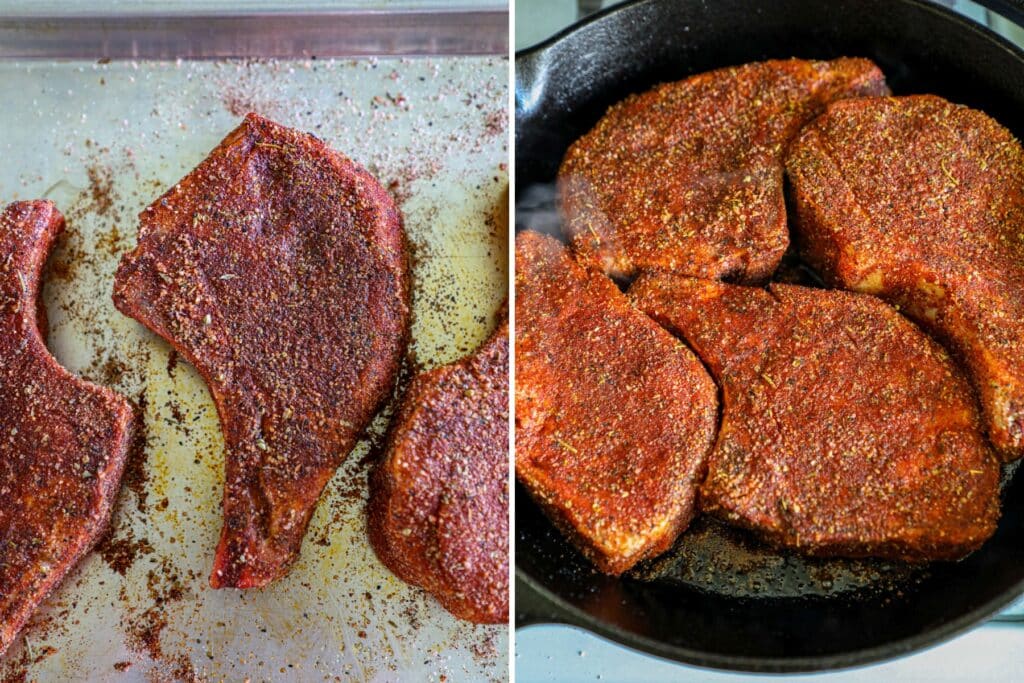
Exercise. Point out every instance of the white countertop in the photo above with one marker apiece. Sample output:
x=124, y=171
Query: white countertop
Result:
x=558, y=654
x=10, y=8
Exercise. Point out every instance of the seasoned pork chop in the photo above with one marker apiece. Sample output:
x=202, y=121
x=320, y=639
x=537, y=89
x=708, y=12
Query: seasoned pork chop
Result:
x=278, y=268
x=845, y=429
x=921, y=202
x=614, y=417
x=687, y=177
x=63, y=441
x=439, y=498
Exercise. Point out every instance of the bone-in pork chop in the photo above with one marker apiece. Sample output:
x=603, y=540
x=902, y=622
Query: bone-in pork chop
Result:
x=687, y=177
x=63, y=441
x=278, y=268
x=614, y=417
x=845, y=429
x=438, y=513
x=921, y=201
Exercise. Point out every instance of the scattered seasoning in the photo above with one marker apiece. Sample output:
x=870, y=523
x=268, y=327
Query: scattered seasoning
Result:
x=567, y=446
x=121, y=554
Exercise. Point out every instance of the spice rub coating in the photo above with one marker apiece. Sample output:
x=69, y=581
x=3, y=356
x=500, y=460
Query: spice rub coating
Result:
x=687, y=177
x=277, y=267
x=846, y=431
x=921, y=201
x=63, y=441
x=438, y=511
x=614, y=417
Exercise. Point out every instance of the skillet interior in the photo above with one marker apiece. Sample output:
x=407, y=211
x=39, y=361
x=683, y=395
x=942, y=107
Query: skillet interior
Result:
x=719, y=598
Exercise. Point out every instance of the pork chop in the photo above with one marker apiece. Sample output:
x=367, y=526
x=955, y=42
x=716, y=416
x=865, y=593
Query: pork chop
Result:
x=614, y=417
x=278, y=268
x=687, y=177
x=846, y=431
x=921, y=201
x=63, y=441
x=438, y=512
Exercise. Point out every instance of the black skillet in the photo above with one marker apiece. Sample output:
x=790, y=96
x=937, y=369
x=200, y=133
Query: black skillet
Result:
x=720, y=599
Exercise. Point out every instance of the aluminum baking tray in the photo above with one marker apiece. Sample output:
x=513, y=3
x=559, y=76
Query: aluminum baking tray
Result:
x=205, y=29
x=103, y=139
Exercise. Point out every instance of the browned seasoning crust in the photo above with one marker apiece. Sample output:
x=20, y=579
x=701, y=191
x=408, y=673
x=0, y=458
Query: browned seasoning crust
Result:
x=921, y=201
x=846, y=431
x=614, y=417
x=63, y=441
x=687, y=177
x=438, y=511
x=278, y=267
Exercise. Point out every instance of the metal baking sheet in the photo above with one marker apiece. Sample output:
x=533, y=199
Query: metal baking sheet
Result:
x=105, y=139
x=214, y=35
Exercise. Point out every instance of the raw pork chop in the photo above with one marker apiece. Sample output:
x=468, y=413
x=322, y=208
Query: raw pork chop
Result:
x=687, y=177
x=614, y=417
x=845, y=429
x=921, y=201
x=439, y=499
x=63, y=441
x=278, y=268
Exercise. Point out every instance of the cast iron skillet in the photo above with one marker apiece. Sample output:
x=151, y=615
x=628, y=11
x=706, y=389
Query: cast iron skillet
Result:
x=728, y=602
